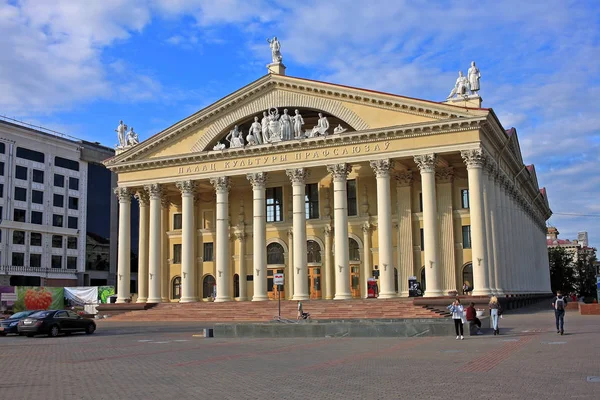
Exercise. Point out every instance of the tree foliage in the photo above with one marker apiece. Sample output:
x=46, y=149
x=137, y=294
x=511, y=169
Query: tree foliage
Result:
x=585, y=275
x=562, y=273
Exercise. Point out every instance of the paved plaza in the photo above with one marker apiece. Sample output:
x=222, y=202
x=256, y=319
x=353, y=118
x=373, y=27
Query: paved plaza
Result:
x=153, y=361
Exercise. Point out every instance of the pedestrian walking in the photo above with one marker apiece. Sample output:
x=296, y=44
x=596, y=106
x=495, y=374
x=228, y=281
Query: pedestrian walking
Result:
x=559, y=303
x=495, y=313
x=457, y=311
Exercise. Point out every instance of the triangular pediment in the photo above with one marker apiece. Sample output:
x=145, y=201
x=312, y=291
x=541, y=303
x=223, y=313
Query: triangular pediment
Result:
x=355, y=109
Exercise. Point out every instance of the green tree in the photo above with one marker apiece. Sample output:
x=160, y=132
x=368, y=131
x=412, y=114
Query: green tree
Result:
x=562, y=273
x=585, y=275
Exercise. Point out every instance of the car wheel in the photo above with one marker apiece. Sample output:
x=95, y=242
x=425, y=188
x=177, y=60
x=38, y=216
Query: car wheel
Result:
x=2, y=334
x=90, y=329
x=53, y=332
x=30, y=335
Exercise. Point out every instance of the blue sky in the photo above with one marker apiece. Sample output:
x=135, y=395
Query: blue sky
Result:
x=80, y=66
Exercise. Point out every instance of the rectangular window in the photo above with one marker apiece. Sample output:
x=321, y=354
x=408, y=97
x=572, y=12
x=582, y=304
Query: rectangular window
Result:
x=2, y=148
x=56, y=261
x=20, y=194
x=18, y=237
x=312, y=201
x=422, y=240
x=74, y=183
x=19, y=215
x=176, y=254
x=37, y=176
x=2, y=168
x=21, y=172
x=37, y=197
x=30, y=155
x=208, y=252
x=351, y=196
x=72, y=223
x=66, y=163
x=35, y=260
x=57, y=241
x=71, y=262
x=421, y=202
x=37, y=217
x=464, y=195
x=1, y=189
x=466, y=232
x=18, y=259
x=59, y=180
x=35, y=239
x=177, y=221
x=59, y=200
x=73, y=203
x=57, y=220
x=72, y=243
x=274, y=204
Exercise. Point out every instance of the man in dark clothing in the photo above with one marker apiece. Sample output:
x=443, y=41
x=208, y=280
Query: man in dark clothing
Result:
x=472, y=317
x=559, y=303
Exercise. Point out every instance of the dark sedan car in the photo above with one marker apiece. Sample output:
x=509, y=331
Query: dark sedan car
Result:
x=9, y=325
x=54, y=322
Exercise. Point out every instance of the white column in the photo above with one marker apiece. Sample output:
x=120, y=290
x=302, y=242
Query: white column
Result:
x=340, y=214
x=497, y=238
x=164, y=246
x=155, y=192
x=298, y=177
x=507, y=271
x=487, y=210
x=259, y=233
x=513, y=243
x=124, y=260
x=405, y=240
x=444, y=198
x=329, y=280
x=426, y=164
x=475, y=160
x=366, y=271
x=384, y=228
x=143, y=201
x=240, y=236
x=289, y=277
x=188, y=232
x=222, y=260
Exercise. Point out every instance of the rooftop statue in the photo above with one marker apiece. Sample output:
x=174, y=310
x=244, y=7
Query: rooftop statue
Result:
x=339, y=129
x=132, y=138
x=285, y=124
x=275, y=49
x=274, y=125
x=121, y=134
x=461, y=87
x=264, y=125
x=255, y=132
x=219, y=146
x=474, y=76
x=235, y=138
x=320, y=128
x=298, y=122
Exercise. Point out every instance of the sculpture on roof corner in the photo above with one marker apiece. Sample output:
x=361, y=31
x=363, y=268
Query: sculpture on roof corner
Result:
x=467, y=85
x=126, y=139
x=275, y=50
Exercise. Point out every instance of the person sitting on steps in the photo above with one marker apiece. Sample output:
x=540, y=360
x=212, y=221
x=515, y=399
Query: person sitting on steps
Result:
x=472, y=318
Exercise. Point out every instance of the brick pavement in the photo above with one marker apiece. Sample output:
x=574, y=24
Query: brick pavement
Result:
x=153, y=361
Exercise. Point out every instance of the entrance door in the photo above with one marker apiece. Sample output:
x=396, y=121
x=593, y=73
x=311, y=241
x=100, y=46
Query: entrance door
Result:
x=272, y=289
x=314, y=282
x=355, y=281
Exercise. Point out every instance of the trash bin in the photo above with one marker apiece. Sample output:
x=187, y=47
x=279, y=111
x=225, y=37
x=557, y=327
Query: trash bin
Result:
x=112, y=299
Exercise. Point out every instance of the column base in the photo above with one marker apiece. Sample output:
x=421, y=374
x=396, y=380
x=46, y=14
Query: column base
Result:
x=301, y=297
x=241, y=299
x=141, y=300
x=328, y=297
x=482, y=292
x=121, y=300
x=260, y=298
x=154, y=300
x=188, y=300
x=222, y=299
x=391, y=295
x=343, y=296
x=162, y=300
x=430, y=293
x=404, y=294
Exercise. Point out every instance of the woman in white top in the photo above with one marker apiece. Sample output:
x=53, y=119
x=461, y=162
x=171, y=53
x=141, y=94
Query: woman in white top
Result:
x=457, y=313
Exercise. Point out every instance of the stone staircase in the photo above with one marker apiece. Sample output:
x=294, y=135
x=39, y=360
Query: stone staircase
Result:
x=248, y=311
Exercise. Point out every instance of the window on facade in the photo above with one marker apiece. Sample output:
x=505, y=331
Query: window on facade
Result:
x=2, y=168
x=1, y=189
x=20, y=194
x=72, y=243
x=19, y=215
x=466, y=233
x=73, y=203
x=311, y=200
x=35, y=239
x=72, y=223
x=176, y=254
x=313, y=252
x=66, y=163
x=21, y=172
x=56, y=261
x=274, y=204
x=351, y=195
x=422, y=240
x=275, y=254
x=177, y=221
x=37, y=197
x=18, y=237
x=57, y=220
x=208, y=251
x=421, y=202
x=2, y=148
x=18, y=259
x=464, y=196
x=57, y=241
x=177, y=288
x=30, y=155
x=73, y=183
x=59, y=180
x=37, y=217
x=35, y=260
x=37, y=176
x=59, y=200
x=71, y=262
x=353, y=250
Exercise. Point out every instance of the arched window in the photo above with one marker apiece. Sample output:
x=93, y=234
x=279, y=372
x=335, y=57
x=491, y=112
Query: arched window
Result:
x=208, y=286
x=467, y=274
x=275, y=254
x=177, y=287
x=313, y=252
x=353, y=249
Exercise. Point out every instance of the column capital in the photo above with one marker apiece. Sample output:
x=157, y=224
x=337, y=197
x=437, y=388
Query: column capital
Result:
x=186, y=187
x=444, y=175
x=474, y=158
x=221, y=183
x=366, y=227
x=257, y=179
x=142, y=197
x=339, y=171
x=290, y=233
x=328, y=230
x=426, y=162
x=404, y=178
x=123, y=194
x=155, y=191
x=297, y=175
x=382, y=167
x=240, y=235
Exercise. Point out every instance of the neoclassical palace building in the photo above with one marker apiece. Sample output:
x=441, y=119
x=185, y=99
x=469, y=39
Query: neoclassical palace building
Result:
x=331, y=186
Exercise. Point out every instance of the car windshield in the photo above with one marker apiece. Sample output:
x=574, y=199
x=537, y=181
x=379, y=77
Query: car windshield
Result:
x=20, y=315
x=40, y=314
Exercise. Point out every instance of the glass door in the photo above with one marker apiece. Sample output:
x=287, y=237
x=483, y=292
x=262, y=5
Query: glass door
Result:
x=355, y=281
x=314, y=282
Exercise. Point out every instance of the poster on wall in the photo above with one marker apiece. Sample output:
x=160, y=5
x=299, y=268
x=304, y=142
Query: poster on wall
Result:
x=39, y=298
x=7, y=296
x=104, y=292
x=81, y=296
